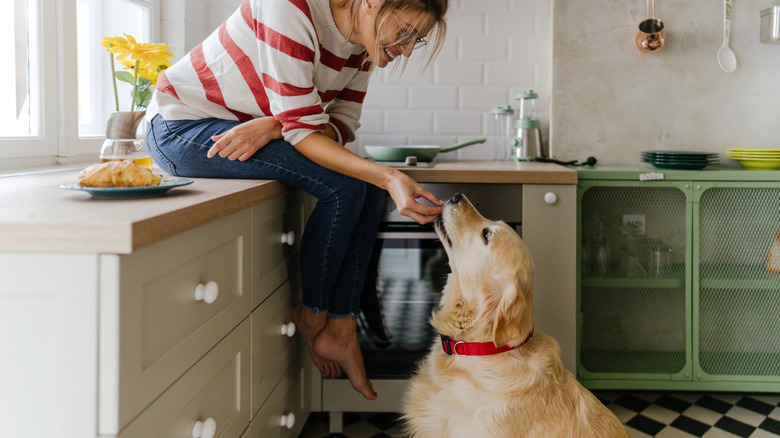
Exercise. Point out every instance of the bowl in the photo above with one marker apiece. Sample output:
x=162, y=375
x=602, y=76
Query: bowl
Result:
x=759, y=164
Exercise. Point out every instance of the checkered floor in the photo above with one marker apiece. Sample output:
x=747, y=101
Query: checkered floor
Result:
x=646, y=414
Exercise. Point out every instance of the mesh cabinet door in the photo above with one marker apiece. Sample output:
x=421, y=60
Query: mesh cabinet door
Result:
x=634, y=301
x=737, y=319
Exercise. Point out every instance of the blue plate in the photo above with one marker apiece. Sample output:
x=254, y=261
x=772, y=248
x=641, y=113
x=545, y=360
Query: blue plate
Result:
x=129, y=192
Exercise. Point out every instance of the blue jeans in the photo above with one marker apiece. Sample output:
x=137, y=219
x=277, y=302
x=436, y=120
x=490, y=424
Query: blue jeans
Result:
x=339, y=236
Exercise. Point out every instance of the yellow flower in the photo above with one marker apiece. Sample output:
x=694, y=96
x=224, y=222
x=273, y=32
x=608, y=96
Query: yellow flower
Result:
x=148, y=55
x=142, y=72
x=144, y=60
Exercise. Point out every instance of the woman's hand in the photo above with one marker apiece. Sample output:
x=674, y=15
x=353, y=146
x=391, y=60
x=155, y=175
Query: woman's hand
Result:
x=405, y=191
x=242, y=141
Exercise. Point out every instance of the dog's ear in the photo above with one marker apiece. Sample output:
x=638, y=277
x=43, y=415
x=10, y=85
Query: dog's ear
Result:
x=509, y=311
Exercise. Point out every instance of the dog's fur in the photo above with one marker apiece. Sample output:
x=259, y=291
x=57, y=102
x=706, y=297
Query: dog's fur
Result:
x=525, y=392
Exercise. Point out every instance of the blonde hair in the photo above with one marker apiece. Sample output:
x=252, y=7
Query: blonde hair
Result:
x=435, y=8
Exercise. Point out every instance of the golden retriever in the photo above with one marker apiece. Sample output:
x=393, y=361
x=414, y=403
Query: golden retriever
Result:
x=517, y=386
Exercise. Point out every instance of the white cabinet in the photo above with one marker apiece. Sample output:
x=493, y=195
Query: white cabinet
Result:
x=48, y=345
x=155, y=324
x=214, y=390
x=148, y=344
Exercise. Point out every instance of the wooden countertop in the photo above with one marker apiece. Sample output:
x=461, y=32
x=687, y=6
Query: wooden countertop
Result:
x=36, y=215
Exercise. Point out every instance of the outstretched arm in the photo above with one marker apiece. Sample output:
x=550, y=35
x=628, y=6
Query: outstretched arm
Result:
x=403, y=189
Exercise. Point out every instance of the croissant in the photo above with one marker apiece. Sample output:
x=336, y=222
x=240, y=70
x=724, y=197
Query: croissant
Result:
x=125, y=173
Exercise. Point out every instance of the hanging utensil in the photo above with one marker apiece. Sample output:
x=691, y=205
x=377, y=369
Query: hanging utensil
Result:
x=651, y=37
x=726, y=57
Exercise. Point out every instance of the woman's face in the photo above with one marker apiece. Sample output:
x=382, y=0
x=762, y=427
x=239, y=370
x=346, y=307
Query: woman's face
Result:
x=398, y=33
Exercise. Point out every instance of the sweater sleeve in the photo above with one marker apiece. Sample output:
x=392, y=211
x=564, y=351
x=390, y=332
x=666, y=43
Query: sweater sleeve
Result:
x=345, y=110
x=287, y=46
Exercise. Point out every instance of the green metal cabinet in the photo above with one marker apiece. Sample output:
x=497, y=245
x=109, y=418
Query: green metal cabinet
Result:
x=674, y=290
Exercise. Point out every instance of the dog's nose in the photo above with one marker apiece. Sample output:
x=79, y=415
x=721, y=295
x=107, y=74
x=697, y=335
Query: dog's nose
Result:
x=456, y=198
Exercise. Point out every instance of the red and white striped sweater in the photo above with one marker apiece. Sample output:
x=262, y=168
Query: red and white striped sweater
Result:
x=284, y=58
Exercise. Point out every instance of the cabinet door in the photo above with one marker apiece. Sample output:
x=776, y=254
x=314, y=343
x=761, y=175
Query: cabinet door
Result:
x=634, y=289
x=277, y=231
x=214, y=390
x=737, y=307
x=156, y=318
x=549, y=224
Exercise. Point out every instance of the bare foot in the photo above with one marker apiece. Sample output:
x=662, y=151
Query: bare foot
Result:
x=311, y=325
x=338, y=342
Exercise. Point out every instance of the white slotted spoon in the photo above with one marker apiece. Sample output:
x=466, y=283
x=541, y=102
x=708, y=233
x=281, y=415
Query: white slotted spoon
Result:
x=726, y=57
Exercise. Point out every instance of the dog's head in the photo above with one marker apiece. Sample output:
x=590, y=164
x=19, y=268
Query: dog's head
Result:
x=489, y=294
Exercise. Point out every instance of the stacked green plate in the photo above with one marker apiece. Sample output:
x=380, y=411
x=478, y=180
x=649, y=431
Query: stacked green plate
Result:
x=680, y=160
x=759, y=159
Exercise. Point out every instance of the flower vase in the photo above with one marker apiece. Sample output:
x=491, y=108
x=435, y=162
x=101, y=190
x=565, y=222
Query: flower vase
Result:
x=124, y=124
x=121, y=142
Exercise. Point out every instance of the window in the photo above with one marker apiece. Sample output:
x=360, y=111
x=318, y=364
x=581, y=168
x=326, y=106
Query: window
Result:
x=58, y=92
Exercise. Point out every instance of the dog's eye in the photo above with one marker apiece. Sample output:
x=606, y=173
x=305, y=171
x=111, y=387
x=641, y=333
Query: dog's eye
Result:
x=486, y=235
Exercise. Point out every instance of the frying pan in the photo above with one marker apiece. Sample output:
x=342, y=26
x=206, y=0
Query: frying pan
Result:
x=422, y=152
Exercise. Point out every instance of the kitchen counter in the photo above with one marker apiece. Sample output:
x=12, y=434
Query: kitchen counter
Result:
x=38, y=216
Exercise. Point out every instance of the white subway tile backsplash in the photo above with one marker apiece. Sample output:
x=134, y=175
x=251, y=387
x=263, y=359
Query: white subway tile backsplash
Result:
x=372, y=120
x=483, y=5
x=494, y=49
x=459, y=73
x=484, y=98
x=387, y=97
x=483, y=49
x=509, y=74
x=510, y=25
x=529, y=50
x=541, y=6
x=465, y=24
x=412, y=75
x=458, y=122
x=408, y=122
x=432, y=97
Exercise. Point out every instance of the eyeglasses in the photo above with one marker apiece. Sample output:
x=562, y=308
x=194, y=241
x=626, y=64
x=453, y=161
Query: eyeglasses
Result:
x=406, y=36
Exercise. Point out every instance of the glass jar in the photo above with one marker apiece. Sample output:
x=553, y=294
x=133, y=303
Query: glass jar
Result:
x=502, y=147
x=116, y=149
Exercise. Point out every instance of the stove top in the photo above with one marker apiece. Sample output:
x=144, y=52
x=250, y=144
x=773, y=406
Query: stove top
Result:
x=409, y=163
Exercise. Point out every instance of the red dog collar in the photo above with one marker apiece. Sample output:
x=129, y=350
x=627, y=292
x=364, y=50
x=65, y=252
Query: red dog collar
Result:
x=476, y=348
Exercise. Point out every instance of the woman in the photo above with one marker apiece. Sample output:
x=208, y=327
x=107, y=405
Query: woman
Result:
x=274, y=93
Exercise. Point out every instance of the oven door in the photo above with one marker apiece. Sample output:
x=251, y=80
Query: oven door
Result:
x=408, y=271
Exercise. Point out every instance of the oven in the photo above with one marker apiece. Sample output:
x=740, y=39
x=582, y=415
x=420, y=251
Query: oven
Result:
x=407, y=274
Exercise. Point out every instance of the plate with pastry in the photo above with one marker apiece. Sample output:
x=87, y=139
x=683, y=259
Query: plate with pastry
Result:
x=123, y=180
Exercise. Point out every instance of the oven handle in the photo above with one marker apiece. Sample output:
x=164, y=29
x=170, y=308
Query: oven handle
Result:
x=400, y=235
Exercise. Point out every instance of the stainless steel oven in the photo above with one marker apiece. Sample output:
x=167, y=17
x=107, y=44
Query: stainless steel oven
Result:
x=408, y=270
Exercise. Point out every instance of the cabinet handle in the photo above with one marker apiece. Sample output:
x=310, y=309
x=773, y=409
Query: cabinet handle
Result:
x=204, y=429
x=550, y=198
x=207, y=292
x=288, y=238
x=288, y=420
x=288, y=329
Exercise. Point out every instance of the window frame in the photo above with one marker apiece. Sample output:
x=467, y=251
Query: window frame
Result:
x=58, y=141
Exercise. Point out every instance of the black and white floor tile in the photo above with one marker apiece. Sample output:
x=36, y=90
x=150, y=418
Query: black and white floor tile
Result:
x=645, y=414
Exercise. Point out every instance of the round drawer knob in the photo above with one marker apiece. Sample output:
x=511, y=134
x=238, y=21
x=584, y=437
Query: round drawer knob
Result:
x=288, y=329
x=204, y=429
x=288, y=420
x=550, y=198
x=207, y=292
x=288, y=238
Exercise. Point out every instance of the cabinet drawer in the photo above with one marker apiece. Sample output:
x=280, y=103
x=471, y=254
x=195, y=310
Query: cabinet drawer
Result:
x=272, y=350
x=215, y=388
x=278, y=227
x=274, y=419
x=154, y=324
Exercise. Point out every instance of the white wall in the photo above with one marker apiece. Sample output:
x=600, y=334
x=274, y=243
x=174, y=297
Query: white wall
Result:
x=494, y=49
x=613, y=101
